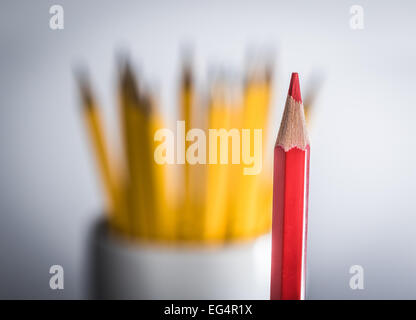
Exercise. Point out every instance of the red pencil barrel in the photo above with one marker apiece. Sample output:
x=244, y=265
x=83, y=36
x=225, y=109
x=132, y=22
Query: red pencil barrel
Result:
x=289, y=228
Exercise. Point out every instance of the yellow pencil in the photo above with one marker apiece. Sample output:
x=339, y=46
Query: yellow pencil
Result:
x=216, y=205
x=115, y=204
x=132, y=121
x=234, y=170
x=310, y=96
x=187, y=217
x=263, y=189
x=165, y=213
x=146, y=165
x=256, y=105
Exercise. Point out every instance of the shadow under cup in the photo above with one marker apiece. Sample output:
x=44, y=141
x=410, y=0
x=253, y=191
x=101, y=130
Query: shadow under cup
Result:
x=122, y=270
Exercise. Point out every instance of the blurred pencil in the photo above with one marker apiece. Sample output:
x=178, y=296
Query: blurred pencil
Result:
x=264, y=185
x=215, y=217
x=165, y=213
x=132, y=118
x=256, y=107
x=310, y=96
x=187, y=95
x=115, y=204
x=234, y=170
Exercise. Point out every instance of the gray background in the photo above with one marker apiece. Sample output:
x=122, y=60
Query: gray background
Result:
x=362, y=183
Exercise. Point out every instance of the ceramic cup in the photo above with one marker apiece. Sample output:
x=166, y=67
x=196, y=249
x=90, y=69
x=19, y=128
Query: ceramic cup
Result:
x=124, y=270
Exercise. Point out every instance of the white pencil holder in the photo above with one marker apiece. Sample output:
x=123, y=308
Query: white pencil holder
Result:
x=153, y=271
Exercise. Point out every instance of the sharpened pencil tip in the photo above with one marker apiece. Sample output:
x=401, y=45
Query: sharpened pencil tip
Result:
x=292, y=132
x=82, y=78
x=294, y=89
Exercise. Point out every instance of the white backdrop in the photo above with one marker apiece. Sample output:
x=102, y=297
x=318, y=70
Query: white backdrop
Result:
x=362, y=182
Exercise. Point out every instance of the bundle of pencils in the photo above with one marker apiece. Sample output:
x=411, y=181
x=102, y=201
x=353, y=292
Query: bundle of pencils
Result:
x=209, y=203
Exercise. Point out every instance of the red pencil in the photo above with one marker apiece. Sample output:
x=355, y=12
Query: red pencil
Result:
x=290, y=200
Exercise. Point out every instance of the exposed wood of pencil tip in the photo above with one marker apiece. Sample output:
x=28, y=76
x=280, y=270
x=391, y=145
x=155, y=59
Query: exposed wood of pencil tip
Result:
x=292, y=132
